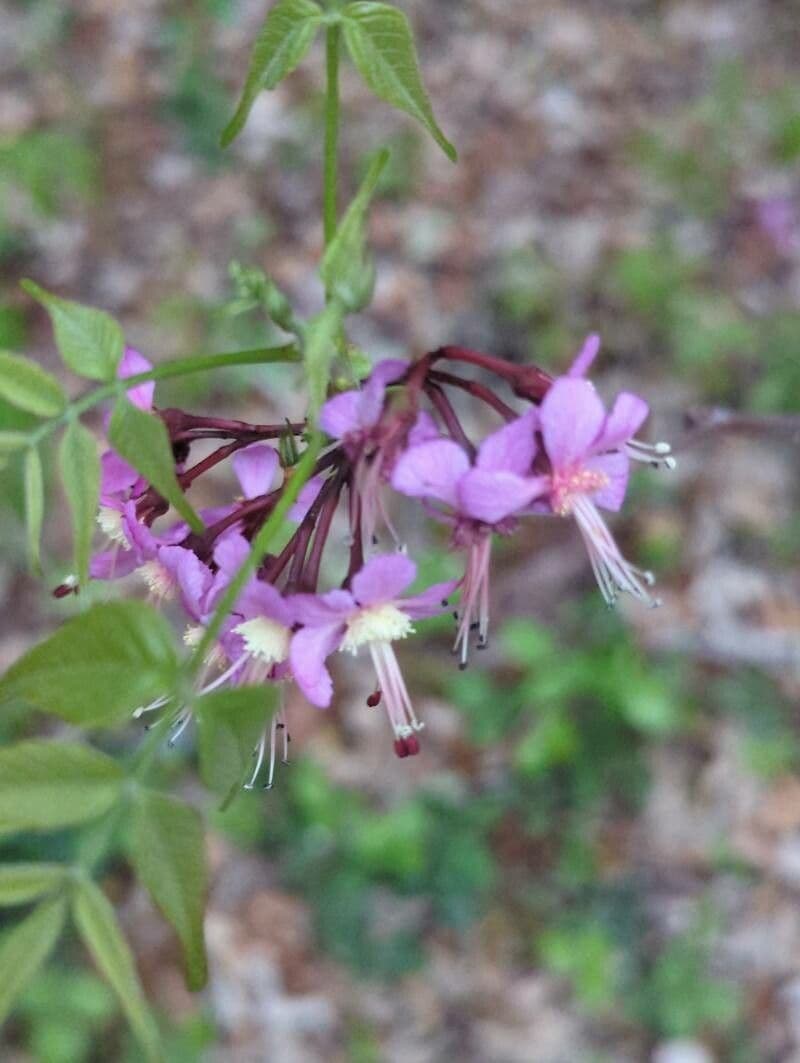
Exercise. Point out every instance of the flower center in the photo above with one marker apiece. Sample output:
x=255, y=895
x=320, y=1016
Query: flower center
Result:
x=568, y=485
x=110, y=521
x=376, y=623
x=265, y=639
x=159, y=580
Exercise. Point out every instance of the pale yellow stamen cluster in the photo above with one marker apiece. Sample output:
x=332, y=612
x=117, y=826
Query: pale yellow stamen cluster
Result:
x=192, y=637
x=567, y=486
x=159, y=580
x=110, y=522
x=377, y=623
x=265, y=639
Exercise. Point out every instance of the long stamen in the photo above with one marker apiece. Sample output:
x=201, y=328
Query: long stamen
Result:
x=157, y=704
x=272, y=733
x=612, y=571
x=655, y=454
x=259, y=753
x=179, y=727
x=399, y=686
x=234, y=668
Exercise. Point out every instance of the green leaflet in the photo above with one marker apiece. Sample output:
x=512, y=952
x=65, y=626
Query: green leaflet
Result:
x=230, y=724
x=142, y=440
x=168, y=853
x=320, y=346
x=346, y=271
x=21, y=883
x=284, y=40
x=89, y=341
x=47, y=785
x=34, y=506
x=28, y=387
x=381, y=45
x=25, y=947
x=98, y=926
x=98, y=667
x=80, y=472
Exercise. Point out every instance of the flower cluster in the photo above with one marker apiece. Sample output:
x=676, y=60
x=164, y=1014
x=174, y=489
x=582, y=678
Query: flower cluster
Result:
x=563, y=455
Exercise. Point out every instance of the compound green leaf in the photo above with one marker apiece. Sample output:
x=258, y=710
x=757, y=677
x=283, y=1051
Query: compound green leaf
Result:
x=381, y=45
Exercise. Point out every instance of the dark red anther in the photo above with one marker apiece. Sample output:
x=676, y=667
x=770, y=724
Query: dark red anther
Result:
x=65, y=589
x=401, y=747
x=412, y=745
x=374, y=699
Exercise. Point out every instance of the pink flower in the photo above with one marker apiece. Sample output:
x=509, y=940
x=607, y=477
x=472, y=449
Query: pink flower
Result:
x=372, y=614
x=371, y=441
x=589, y=452
x=476, y=499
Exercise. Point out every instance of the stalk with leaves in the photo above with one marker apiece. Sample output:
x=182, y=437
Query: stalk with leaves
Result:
x=251, y=576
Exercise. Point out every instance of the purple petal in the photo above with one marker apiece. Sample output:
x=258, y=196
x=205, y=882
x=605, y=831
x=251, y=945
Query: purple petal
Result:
x=255, y=469
x=383, y=578
x=112, y=564
x=511, y=448
x=571, y=416
x=131, y=364
x=143, y=543
x=339, y=416
x=615, y=467
x=374, y=391
x=194, y=579
x=307, y=497
x=492, y=496
x=307, y=652
x=430, y=602
x=585, y=356
x=627, y=416
x=423, y=430
x=231, y=552
x=117, y=476
x=322, y=609
x=173, y=535
x=262, y=599
x=431, y=470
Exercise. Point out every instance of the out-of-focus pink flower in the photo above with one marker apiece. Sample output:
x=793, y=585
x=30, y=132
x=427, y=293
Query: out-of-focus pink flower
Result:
x=777, y=218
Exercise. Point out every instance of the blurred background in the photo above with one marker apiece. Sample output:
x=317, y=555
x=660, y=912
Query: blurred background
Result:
x=597, y=855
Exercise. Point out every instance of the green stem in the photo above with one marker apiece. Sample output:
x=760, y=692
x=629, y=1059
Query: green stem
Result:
x=198, y=363
x=331, y=175
x=259, y=548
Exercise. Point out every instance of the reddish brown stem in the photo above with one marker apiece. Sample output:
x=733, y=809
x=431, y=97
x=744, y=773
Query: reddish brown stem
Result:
x=187, y=478
x=311, y=572
x=476, y=390
x=527, y=381
x=445, y=410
